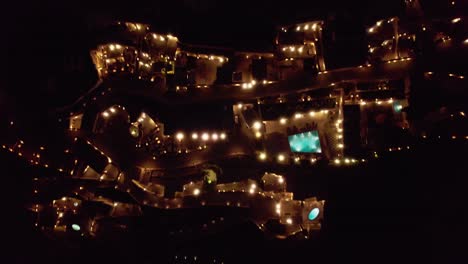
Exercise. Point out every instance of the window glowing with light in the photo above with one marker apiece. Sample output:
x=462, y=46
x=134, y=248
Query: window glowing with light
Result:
x=307, y=142
x=313, y=214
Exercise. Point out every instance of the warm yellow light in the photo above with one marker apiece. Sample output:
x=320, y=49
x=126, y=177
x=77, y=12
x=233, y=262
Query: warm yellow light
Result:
x=283, y=121
x=112, y=109
x=196, y=191
x=379, y=23
x=222, y=136
x=456, y=20
x=214, y=136
x=314, y=26
x=306, y=27
x=180, y=136
x=289, y=221
x=239, y=106
x=258, y=134
x=105, y=114
x=347, y=160
x=280, y=180
x=253, y=82
x=247, y=86
x=312, y=113
x=194, y=136
x=278, y=208
x=340, y=146
x=298, y=28
x=371, y=30
x=466, y=41
x=205, y=136
x=337, y=161
x=262, y=156
x=281, y=158
x=257, y=125
x=298, y=115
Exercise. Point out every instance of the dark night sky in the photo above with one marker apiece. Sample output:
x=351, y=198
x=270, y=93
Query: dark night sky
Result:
x=43, y=35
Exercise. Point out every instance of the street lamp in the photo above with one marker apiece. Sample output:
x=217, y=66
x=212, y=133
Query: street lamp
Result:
x=257, y=125
x=179, y=136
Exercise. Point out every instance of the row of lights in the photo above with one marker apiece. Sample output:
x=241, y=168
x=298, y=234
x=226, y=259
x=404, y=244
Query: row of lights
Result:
x=377, y=101
x=139, y=27
x=453, y=137
x=367, y=65
x=450, y=75
x=306, y=27
x=399, y=60
x=109, y=160
x=113, y=47
x=385, y=42
x=221, y=59
x=378, y=24
x=259, y=57
x=392, y=149
x=136, y=26
x=281, y=158
x=294, y=48
x=35, y=156
x=283, y=120
x=346, y=161
x=456, y=76
x=203, y=136
x=251, y=84
x=111, y=110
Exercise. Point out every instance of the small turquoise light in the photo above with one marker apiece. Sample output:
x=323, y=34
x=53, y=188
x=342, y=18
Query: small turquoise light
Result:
x=397, y=107
x=313, y=214
x=77, y=227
